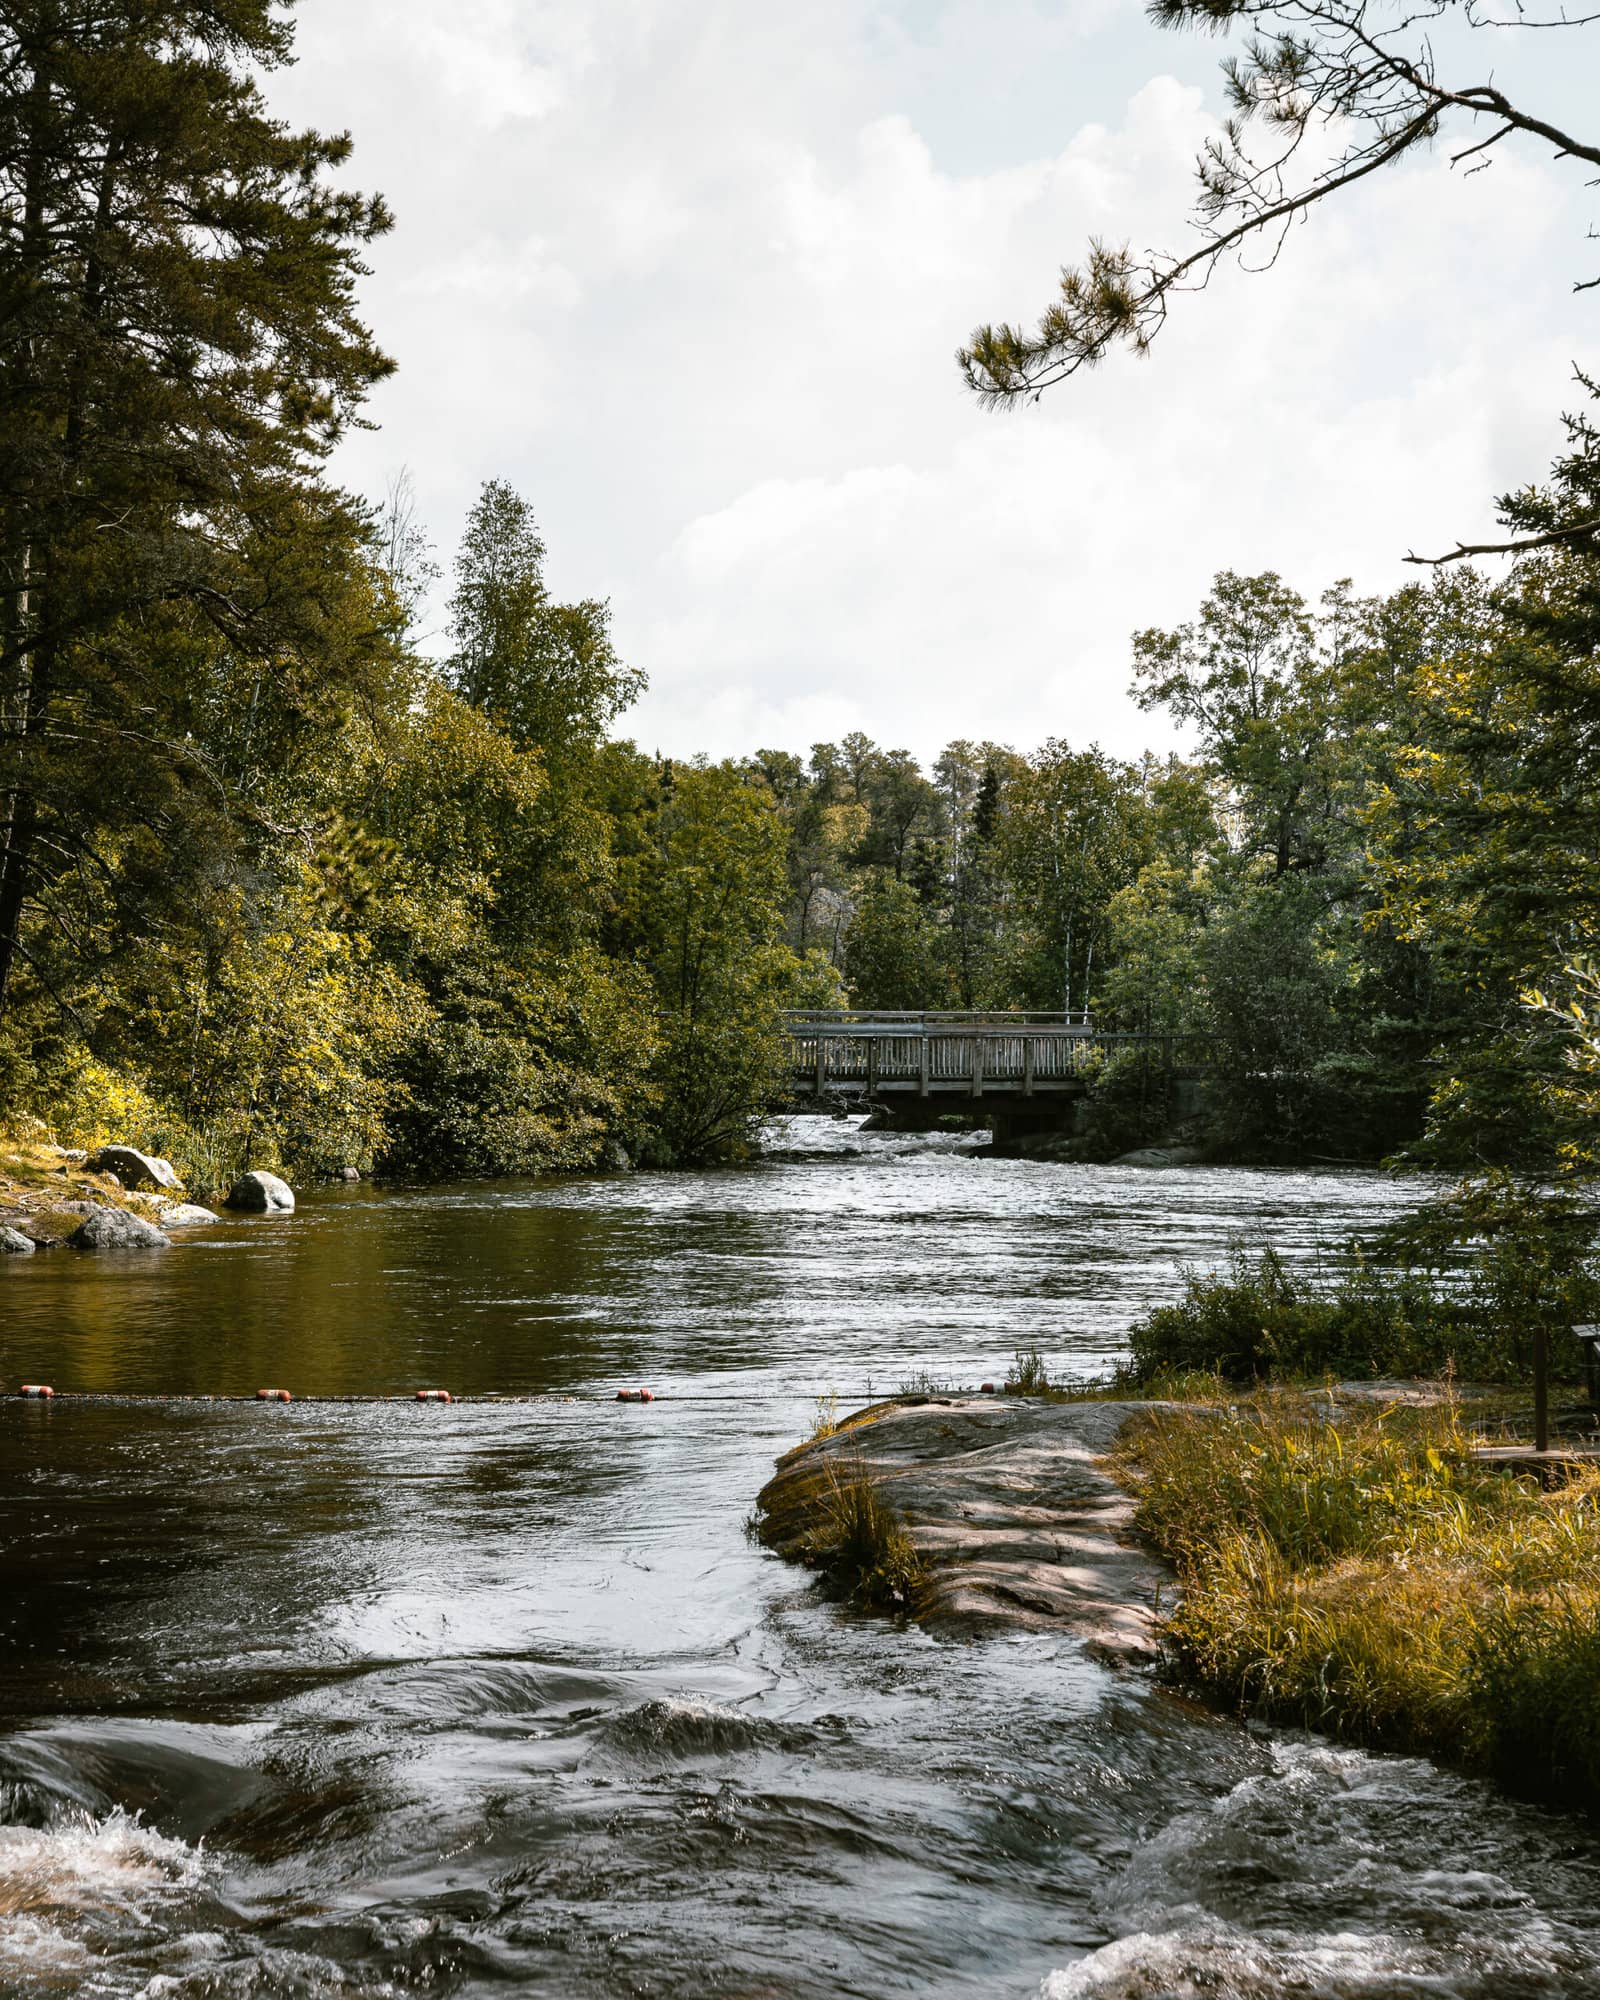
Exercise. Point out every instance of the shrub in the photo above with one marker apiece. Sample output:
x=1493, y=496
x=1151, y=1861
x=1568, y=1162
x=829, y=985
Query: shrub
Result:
x=1260, y=1320
x=1028, y=1376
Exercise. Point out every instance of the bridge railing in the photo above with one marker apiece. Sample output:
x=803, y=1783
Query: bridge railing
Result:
x=876, y=1021
x=940, y=1054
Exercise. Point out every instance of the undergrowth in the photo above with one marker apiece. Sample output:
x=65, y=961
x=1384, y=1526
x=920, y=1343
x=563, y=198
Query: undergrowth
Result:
x=1260, y=1320
x=1369, y=1579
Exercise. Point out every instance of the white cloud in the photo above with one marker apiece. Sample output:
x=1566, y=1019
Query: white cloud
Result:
x=692, y=277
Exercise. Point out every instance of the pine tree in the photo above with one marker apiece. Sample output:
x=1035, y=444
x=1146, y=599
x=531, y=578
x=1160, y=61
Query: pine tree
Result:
x=179, y=351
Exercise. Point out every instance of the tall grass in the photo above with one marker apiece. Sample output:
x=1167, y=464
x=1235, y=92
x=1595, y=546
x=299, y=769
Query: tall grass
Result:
x=858, y=1540
x=1367, y=1578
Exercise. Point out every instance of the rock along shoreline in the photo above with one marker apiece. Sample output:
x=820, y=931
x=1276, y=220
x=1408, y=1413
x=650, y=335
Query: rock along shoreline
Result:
x=1015, y=1521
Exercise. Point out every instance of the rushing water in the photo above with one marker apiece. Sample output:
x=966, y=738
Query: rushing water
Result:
x=358, y=1699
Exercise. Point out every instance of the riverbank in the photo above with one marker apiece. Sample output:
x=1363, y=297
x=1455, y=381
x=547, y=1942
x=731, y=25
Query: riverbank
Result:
x=1356, y=1570
x=1343, y=1562
x=47, y=1191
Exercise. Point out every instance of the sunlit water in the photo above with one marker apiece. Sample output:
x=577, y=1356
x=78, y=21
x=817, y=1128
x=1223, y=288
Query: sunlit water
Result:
x=360, y=1699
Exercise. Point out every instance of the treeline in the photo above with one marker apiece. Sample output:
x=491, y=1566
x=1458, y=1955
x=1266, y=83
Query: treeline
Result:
x=282, y=885
x=442, y=926
x=275, y=886
x=1346, y=905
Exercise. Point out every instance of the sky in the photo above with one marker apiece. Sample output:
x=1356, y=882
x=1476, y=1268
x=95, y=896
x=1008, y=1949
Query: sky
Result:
x=691, y=275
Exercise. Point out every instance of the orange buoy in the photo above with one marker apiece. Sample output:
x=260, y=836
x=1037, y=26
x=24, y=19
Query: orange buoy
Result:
x=273, y=1396
x=433, y=1395
x=630, y=1395
x=40, y=1389
x=985, y=1388
x=647, y=1395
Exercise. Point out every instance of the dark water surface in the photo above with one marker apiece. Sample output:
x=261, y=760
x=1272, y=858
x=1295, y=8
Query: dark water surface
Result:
x=374, y=1699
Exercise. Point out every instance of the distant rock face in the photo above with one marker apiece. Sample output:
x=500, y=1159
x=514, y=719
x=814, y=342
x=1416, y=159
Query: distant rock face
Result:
x=186, y=1215
x=116, y=1229
x=261, y=1194
x=134, y=1169
x=14, y=1244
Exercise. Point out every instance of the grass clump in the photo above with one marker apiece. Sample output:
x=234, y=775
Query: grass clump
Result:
x=1029, y=1375
x=923, y=1382
x=826, y=1420
x=859, y=1542
x=1367, y=1578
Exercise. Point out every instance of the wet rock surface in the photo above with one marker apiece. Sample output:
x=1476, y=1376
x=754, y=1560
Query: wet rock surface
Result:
x=14, y=1244
x=116, y=1229
x=260, y=1194
x=1012, y=1513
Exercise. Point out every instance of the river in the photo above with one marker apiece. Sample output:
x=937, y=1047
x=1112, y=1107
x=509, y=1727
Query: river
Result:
x=357, y=1699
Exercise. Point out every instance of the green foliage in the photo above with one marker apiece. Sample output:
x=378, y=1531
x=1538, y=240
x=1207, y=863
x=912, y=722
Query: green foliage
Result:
x=547, y=673
x=700, y=906
x=891, y=954
x=181, y=351
x=1489, y=1273
x=1028, y=1374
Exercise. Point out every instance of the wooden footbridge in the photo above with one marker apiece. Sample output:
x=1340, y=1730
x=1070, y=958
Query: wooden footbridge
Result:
x=1020, y=1069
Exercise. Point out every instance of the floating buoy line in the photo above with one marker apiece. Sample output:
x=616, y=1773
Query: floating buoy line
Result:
x=42, y=1392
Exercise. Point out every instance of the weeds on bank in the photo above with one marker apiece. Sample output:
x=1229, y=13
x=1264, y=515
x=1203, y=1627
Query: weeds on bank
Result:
x=1028, y=1376
x=826, y=1420
x=1367, y=1578
x=858, y=1540
x=924, y=1383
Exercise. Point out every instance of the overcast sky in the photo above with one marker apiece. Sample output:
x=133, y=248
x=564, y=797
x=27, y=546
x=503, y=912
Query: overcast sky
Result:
x=691, y=275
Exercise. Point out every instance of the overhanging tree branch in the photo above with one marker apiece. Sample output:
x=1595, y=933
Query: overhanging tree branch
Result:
x=1334, y=69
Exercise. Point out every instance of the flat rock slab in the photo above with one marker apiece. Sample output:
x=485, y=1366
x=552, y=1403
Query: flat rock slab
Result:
x=1017, y=1523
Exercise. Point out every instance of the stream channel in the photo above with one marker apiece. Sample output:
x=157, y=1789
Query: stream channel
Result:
x=385, y=1698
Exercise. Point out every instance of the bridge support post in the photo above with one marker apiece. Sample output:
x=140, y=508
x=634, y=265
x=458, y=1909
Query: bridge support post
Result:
x=977, y=1065
x=922, y=1067
x=1027, y=1065
x=822, y=1065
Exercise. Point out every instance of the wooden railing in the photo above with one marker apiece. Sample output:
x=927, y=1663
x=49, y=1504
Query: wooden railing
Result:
x=945, y=1054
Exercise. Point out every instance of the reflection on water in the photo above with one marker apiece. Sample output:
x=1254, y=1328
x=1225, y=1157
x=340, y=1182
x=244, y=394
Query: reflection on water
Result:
x=343, y=1699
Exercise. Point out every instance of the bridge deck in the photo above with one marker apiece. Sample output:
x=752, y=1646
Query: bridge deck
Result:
x=943, y=1055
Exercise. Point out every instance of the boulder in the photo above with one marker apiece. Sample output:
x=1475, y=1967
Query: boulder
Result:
x=46, y=1228
x=1160, y=1156
x=134, y=1169
x=186, y=1215
x=116, y=1229
x=14, y=1244
x=348, y=1174
x=261, y=1194
x=614, y=1157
